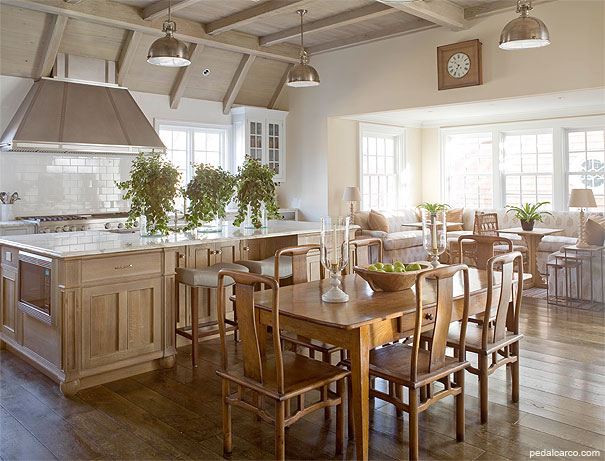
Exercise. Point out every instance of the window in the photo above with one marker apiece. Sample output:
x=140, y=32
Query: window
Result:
x=527, y=167
x=586, y=162
x=381, y=167
x=187, y=145
x=468, y=165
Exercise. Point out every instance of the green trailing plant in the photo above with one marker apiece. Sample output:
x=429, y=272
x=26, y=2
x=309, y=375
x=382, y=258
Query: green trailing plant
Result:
x=152, y=190
x=254, y=187
x=434, y=207
x=209, y=193
x=528, y=212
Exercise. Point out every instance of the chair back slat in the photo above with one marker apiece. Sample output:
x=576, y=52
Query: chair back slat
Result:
x=486, y=224
x=299, y=262
x=510, y=273
x=444, y=277
x=483, y=248
x=247, y=324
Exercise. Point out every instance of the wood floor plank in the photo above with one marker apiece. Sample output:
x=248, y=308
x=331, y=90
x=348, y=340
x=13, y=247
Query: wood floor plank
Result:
x=17, y=443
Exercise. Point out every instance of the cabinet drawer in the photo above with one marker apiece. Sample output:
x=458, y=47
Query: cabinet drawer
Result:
x=121, y=266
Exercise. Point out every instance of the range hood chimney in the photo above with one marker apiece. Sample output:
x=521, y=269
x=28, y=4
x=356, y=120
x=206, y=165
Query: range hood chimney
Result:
x=66, y=116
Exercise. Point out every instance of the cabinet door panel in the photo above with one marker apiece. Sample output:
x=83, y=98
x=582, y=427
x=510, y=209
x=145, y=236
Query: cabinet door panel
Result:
x=8, y=296
x=140, y=317
x=104, y=314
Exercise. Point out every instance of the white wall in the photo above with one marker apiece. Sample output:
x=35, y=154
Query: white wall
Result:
x=57, y=183
x=401, y=73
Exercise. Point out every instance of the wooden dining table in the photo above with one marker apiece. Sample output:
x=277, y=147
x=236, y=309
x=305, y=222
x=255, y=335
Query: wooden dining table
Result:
x=368, y=320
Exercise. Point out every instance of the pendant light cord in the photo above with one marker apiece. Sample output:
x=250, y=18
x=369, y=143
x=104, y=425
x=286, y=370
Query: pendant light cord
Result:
x=302, y=43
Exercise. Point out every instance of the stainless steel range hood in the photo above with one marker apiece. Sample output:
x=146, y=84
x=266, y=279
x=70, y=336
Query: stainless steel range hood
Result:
x=79, y=117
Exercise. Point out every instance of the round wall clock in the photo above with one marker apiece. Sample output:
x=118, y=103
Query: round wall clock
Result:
x=459, y=65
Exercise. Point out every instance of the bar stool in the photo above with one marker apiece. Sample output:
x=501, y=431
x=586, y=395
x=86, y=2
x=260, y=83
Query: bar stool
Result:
x=196, y=279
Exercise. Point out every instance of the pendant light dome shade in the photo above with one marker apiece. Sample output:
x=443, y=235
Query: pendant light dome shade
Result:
x=169, y=51
x=302, y=74
x=525, y=31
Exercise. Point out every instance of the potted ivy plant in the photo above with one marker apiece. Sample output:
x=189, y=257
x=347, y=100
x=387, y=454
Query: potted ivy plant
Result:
x=152, y=189
x=209, y=193
x=528, y=214
x=255, y=194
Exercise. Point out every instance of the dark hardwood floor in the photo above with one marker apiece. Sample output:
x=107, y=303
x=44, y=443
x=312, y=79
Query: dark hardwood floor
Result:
x=176, y=413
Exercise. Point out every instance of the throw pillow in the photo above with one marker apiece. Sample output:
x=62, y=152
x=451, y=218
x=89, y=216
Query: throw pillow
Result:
x=378, y=222
x=454, y=215
x=595, y=231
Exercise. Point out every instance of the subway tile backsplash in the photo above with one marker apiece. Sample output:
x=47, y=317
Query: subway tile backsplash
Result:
x=62, y=183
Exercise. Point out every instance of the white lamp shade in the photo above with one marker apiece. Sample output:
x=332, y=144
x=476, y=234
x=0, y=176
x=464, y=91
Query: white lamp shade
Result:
x=582, y=198
x=351, y=194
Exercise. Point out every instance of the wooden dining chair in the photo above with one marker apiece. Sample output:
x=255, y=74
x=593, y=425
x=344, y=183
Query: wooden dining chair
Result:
x=410, y=366
x=499, y=338
x=484, y=248
x=280, y=376
x=365, y=242
x=486, y=224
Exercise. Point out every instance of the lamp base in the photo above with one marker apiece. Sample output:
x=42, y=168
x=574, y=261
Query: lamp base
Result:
x=581, y=243
x=335, y=294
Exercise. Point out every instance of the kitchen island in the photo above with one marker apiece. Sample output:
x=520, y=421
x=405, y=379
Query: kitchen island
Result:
x=91, y=307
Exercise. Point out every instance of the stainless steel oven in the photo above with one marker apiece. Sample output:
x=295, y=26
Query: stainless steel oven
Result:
x=35, y=273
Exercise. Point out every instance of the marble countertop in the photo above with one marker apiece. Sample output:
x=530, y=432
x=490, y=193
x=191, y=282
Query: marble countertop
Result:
x=74, y=244
x=15, y=224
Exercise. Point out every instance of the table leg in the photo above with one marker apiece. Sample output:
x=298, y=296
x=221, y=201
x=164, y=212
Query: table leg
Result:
x=532, y=241
x=360, y=364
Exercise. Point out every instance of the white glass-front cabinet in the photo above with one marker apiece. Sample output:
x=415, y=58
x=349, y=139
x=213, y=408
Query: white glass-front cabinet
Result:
x=261, y=133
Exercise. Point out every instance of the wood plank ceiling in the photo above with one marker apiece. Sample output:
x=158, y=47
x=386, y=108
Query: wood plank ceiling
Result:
x=248, y=45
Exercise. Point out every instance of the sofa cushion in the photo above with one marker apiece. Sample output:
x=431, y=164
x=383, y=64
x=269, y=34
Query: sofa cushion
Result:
x=552, y=243
x=377, y=221
x=595, y=231
x=405, y=239
x=454, y=215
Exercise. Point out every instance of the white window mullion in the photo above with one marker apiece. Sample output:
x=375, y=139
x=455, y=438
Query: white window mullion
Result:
x=560, y=170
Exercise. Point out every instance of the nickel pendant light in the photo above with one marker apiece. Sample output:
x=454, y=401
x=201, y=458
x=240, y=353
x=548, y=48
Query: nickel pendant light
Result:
x=524, y=31
x=169, y=51
x=302, y=74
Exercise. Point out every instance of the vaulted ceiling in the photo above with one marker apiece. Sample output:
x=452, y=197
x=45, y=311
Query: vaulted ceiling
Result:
x=248, y=45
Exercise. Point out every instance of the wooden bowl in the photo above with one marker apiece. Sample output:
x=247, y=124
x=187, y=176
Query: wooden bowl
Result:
x=391, y=281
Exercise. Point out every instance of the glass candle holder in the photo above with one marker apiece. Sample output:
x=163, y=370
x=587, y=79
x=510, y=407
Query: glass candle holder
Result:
x=434, y=234
x=334, y=254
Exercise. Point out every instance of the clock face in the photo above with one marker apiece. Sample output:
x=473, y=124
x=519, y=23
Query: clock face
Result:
x=458, y=65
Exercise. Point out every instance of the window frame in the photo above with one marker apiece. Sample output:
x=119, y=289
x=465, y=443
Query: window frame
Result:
x=399, y=133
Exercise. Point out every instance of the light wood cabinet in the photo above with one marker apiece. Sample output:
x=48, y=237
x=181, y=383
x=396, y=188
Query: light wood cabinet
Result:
x=8, y=296
x=121, y=320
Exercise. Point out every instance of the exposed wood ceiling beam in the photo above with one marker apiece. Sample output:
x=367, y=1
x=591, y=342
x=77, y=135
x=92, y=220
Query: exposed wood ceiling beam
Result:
x=52, y=47
x=123, y=16
x=394, y=31
x=159, y=9
x=495, y=7
x=252, y=14
x=195, y=52
x=127, y=55
x=280, y=88
x=237, y=82
x=331, y=22
x=442, y=12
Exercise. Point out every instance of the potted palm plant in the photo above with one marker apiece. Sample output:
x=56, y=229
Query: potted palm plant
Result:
x=209, y=193
x=528, y=214
x=152, y=190
x=255, y=194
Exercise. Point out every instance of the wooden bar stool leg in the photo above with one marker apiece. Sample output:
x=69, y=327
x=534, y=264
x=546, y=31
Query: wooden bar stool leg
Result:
x=236, y=327
x=227, y=442
x=413, y=431
x=340, y=417
x=483, y=386
x=194, y=324
x=280, y=430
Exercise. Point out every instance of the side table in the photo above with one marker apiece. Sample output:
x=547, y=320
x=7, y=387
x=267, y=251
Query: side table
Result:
x=573, y=250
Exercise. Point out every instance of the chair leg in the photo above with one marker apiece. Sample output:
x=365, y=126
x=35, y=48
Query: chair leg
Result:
x=327, y=410
x=483, y=365
x=227, y=442
x=515, y=371
x=194, y=324
x=413, y=433
x=460, y=407
x=350, y=419
x=280, y=430
x=288, y=409
x=340, y=417
x=398, y=395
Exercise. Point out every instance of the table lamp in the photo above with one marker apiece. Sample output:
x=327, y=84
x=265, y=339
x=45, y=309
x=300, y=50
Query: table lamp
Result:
x=352, y=195
x=582, y=198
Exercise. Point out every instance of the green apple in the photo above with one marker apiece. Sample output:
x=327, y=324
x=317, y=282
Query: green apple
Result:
x=389, y=268
x=400, y=269
x=379, y=265
x=380, y=270
x=413, y=267
x=372, y=268
x=398, y=264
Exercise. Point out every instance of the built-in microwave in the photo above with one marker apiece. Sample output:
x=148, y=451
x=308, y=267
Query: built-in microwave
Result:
x=35, y=273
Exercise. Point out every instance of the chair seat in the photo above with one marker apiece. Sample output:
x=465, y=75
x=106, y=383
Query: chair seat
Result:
x=207, y=277
x=314, y=344
x=393, y=363
x=301, y=374
x=267, y=266
x=473, y=338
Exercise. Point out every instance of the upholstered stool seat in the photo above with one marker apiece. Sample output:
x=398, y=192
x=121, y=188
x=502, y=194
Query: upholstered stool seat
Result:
x=267, y=266
x=208, y=276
